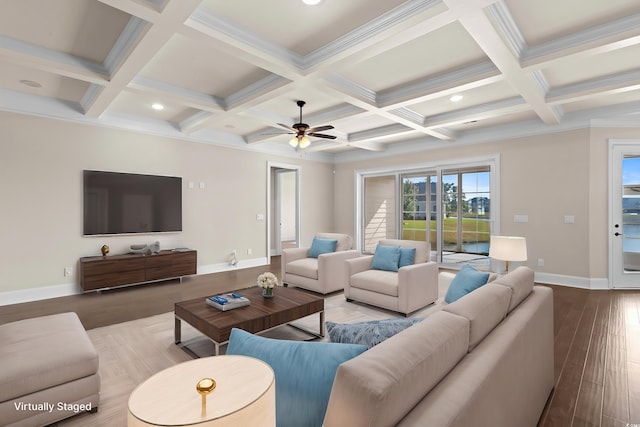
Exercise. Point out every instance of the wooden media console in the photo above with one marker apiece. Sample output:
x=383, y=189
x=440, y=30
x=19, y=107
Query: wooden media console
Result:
x=102, y=272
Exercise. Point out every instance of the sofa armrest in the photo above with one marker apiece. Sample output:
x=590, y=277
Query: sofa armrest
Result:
x=332, y=268
x=288, y=255
x=354, y=266
x=417, y=286
x=358, y=265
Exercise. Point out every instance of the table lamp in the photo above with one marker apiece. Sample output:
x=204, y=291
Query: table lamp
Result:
x=508, y=248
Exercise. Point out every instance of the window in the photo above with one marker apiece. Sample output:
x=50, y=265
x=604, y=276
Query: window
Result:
x=449, y=206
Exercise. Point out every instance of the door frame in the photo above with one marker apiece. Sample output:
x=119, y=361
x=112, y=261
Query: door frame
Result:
x=273, y=229
x=617, y=149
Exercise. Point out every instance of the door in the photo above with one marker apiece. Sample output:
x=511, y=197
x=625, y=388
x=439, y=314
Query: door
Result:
x=283, y=207
x=624, y=228
x=285, y=210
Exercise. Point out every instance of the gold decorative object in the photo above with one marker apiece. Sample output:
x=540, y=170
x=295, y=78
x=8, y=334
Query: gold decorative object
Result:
x=204, y=387
x=105, y=250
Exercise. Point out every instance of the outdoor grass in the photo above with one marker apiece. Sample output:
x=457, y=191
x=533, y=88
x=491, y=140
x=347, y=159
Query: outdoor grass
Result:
x=473, y=230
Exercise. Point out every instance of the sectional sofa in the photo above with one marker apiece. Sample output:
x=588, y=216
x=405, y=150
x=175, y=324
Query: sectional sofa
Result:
x=483, y=360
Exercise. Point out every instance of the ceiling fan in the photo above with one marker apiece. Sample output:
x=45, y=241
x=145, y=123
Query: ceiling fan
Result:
x=302, y=131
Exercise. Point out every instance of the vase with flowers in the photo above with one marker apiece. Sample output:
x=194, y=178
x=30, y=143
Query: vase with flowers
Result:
x=267, y=281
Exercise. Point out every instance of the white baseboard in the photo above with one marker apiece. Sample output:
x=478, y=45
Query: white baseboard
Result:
x=224, y=266
x=67, y=289
x=37, y=294
x=573, y=281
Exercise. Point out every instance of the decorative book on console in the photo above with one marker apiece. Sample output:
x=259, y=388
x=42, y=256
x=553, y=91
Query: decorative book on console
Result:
x=227, y=302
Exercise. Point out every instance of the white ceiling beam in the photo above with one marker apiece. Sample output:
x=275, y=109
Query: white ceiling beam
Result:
x=151, y=40
x=601, y=39
x=481, y=29
x=59, y=63
x=479, y=112
x=143, y=9
x=614, y=83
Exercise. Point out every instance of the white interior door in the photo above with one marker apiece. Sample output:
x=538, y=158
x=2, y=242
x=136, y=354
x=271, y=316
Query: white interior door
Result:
x=624, y=224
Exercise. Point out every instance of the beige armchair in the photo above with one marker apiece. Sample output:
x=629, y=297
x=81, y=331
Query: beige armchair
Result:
x=405, y=291
x=323, y=274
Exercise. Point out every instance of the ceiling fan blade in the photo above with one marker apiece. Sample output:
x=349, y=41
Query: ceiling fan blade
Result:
x=284, y=126
x=278, y=133
x=321, y=135
x=320, y=128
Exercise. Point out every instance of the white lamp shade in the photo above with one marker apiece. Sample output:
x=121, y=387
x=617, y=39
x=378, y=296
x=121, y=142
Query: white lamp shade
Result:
x=508, y=248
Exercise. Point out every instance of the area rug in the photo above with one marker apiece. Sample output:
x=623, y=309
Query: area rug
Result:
x=131, y=352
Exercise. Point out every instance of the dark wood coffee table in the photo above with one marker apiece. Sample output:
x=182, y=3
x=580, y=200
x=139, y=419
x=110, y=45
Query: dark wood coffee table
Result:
x=287, y=304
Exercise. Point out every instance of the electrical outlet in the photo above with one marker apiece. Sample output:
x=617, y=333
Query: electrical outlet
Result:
x=68, y=271
x=540, y=262
x=249, y=251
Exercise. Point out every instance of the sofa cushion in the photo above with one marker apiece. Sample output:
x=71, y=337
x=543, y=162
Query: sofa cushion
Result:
x=378, y=281
x=381, y=385
x=368, y=333
x=423, y=249
x=467, y=280
x=304, y=373
x=407, y=257
x=345, y=242
x=386, y=258
x=321, y=246
x=305, y=267
x=485, y=308
x=520, y=281
x=44, y=352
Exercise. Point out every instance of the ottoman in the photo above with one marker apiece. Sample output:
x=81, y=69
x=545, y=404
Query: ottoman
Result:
x=48, y=370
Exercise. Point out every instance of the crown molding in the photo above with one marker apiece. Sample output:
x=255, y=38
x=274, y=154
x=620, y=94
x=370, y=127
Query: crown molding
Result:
x=406, y=11
x=125, y=43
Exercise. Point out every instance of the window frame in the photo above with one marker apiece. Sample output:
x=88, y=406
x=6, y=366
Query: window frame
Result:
x=464, y=164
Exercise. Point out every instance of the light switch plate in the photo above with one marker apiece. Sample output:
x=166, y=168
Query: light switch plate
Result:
x=521, y=218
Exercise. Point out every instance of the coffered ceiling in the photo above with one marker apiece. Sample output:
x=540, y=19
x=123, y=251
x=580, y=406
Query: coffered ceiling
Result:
x=381, y=72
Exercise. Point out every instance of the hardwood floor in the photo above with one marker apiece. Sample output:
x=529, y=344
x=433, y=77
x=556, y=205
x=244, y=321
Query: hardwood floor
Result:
x=597, y=359
x=597, y=339
x=104, y=308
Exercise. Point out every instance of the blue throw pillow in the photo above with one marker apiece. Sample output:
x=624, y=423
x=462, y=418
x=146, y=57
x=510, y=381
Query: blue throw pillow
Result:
x=368, y=333
x=304, y=373
x=321, y=246
x=467, y=280
x=407, y=257
x=386, y=258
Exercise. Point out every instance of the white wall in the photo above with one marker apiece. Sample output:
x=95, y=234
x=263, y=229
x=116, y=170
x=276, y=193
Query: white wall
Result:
x=545, y=177
x=41, y=164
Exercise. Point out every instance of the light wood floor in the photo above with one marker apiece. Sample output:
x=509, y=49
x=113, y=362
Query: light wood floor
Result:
x=597, y=339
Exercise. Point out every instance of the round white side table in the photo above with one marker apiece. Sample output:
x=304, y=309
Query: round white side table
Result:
x=244, y=395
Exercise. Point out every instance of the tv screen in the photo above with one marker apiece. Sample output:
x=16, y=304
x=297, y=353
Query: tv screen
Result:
x=119, y=203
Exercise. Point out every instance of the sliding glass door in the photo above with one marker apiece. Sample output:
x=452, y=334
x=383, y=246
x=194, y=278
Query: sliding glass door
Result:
x=449, y=207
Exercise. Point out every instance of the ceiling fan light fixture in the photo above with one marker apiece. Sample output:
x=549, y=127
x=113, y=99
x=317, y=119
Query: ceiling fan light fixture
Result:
x=293, y=142
x=304, y=142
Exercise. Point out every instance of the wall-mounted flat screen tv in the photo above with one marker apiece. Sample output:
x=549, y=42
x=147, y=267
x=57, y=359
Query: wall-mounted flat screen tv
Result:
x=121, y=203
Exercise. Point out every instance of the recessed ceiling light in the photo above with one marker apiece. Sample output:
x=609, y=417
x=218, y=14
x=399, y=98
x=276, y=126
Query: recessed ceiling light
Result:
x=311, y=2
x=456, y=98
x=31, y=83
x=157, y=106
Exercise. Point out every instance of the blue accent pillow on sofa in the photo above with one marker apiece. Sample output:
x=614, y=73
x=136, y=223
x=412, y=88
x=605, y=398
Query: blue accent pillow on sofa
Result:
x=368, y=333
x=304, y=373
x=468, y=279
x=386, y=258
x=321, y=246
x=407, y=257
